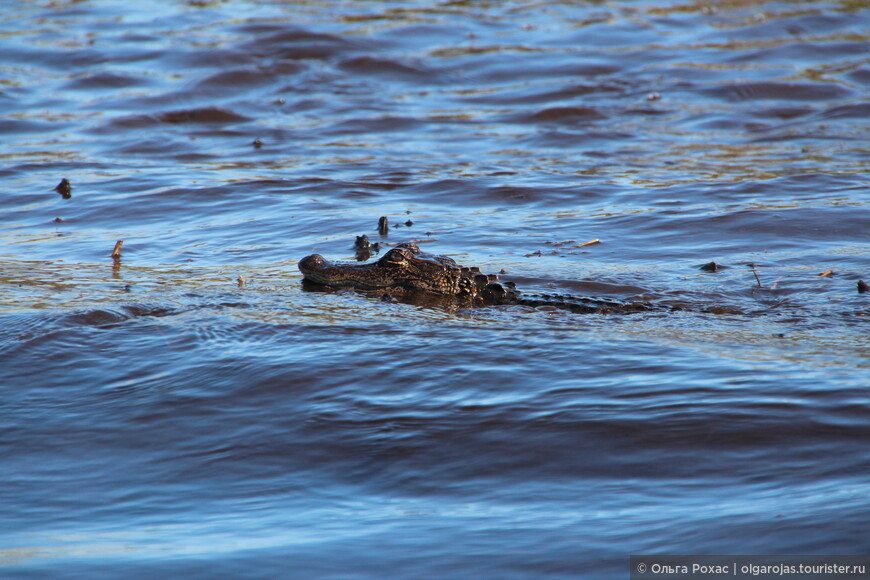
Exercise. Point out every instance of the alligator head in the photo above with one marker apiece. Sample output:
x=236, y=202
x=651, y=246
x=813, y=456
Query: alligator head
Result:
x=411, y=275
x=406, y=269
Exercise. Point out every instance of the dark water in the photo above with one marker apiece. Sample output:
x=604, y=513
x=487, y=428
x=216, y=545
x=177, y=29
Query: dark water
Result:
x=159, y=421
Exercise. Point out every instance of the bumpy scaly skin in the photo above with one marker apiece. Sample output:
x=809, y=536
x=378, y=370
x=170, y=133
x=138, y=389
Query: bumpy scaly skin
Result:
x=405, y=269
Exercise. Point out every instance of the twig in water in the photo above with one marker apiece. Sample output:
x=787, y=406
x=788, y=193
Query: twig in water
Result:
x=116, y=253
x=756, y=277
x=589, y=243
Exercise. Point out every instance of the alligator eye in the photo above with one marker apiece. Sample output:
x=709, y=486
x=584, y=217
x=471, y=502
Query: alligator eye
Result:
x=394, y=257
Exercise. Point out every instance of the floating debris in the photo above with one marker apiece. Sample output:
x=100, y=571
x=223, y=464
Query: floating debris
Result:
x=862, y=287
x=362, y=242
x=116, y=253
x=64, y=188
x=826, y=274
x=364, y=248
x=58, y=220
x=383, y=225
x=241, y=281
x=709, y=267
x=409, y=223
x=258, y=143
x=589, y=243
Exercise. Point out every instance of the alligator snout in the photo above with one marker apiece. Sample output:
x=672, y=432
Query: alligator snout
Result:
x=312, y=262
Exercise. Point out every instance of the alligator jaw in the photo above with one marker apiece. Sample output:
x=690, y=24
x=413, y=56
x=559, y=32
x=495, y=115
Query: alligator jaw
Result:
x=315, y=268
x=403, y=268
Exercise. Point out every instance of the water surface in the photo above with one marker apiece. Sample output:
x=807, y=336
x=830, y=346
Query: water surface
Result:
x=161, y=420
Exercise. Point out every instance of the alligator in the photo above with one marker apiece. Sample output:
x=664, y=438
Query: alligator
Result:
x=406, y=273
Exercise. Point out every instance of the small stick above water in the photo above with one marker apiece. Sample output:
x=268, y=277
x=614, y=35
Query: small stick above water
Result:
x=589, y=243
x=116, y=253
